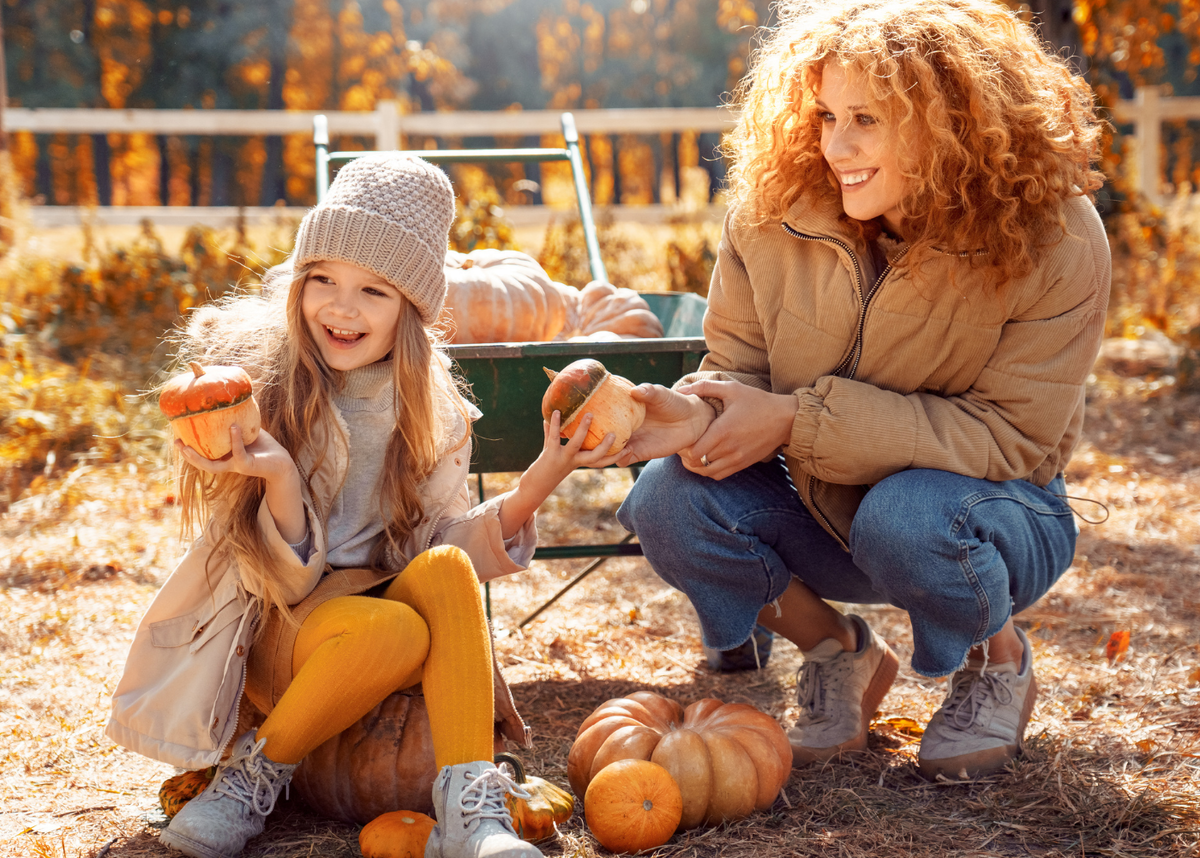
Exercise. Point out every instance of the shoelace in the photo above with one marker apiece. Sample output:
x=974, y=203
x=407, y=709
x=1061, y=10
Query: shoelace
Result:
x=250, y=778
x=810, y=689
x=970, y=694
x=483, y=798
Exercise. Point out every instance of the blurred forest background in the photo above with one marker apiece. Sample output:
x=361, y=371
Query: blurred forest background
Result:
x=451, y=55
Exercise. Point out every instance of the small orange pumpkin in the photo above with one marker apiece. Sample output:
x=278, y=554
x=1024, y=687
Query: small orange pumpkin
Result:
x=586, y=386
x=178, y=790
x=399, y=834
x=537, y=817
x=632, y=805
x=205, y=403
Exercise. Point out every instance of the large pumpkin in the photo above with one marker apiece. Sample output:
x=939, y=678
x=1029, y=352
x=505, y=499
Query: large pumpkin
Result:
x=204, y=403
x=585, y=386
x=504, y=296
x=382, y=762
x=729, y=759
x=399, y=834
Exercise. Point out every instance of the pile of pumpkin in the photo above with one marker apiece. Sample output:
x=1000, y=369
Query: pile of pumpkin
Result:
x=645, y=766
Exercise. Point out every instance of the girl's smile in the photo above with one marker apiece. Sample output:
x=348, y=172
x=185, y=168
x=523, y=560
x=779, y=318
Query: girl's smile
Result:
x=859, y=149
x=351, y=312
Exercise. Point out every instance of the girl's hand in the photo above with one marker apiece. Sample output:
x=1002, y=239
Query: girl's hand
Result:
x=549, y=469
x=265, y=458
x=752, y=427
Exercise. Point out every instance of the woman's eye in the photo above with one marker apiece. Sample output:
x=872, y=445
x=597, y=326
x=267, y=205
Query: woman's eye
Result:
x=864, y=119
x=826, y=116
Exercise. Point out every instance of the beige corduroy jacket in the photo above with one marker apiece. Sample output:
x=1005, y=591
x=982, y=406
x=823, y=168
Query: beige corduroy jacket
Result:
x=179, y=696
x=907, y=368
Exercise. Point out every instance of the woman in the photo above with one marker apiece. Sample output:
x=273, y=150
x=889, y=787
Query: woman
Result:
x=909, y=295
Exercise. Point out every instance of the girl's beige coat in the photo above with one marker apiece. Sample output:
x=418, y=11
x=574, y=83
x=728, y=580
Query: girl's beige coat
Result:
x=178, y=698
x=918, y=367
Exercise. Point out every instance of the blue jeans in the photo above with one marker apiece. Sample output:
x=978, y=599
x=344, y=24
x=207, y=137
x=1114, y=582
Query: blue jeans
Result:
x=959, y=554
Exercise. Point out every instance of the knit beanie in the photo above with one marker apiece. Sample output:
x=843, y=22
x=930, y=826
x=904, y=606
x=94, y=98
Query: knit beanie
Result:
x=389, y=214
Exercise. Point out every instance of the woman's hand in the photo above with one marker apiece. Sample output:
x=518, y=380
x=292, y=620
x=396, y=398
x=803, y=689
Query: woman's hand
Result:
x=674, y=421
x=268, y=460
x=549, y=469
x=752, y=427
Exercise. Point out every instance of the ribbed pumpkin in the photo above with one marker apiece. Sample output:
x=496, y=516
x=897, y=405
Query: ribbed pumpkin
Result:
x=399, y=834
x=729, y=759
x=535, y=818
x=586, y=386
x=505, y=296
x=204, y=404
x=381, y=762
x=632, y=805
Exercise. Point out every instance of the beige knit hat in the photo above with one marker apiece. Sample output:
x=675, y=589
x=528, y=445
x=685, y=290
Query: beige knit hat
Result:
x=391, y=215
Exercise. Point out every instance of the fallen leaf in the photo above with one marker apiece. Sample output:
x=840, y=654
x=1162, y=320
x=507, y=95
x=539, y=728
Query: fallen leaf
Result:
x=1194, y=677
x=1145, y=746
x=907, y=726
x=1117, y=646
x=1082, y=714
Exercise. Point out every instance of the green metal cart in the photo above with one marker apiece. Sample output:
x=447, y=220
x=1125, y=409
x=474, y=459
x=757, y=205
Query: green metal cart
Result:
x=507, y=378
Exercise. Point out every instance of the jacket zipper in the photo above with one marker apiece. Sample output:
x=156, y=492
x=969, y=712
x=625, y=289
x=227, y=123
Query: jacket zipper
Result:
x=855, y=354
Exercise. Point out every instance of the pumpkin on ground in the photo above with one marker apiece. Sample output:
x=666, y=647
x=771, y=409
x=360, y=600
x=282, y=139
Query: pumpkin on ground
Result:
x=728, y=759
x=632, y=805
x=585, y=386
x=204, y=403
x=178, y=790
x=399, y=834
x=505, y=296
x=537, y=817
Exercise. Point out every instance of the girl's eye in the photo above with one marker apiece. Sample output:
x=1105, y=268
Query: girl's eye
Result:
x=371, y=290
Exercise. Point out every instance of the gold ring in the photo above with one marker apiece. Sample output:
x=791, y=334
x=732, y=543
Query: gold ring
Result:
x=704, y=460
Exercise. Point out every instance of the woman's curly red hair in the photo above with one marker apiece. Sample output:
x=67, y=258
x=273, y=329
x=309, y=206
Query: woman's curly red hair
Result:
x=997, y=131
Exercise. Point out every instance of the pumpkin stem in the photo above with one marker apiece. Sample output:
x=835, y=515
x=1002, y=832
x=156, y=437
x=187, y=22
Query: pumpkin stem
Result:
x=196, y=367
x=517, y=766
x=550, y=374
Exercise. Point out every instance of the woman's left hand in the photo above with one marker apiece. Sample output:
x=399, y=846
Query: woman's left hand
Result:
x=752, y=427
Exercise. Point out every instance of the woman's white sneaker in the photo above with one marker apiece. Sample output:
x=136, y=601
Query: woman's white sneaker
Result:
x=980, y=726
x=838, y=692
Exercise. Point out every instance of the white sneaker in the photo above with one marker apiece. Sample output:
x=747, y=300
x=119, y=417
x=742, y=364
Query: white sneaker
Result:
x=234, y=807
x=981, y=723
x=838, y=692
x=472, y=818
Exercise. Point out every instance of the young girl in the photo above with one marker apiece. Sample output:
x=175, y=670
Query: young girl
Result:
x=342, y=560
x=910, y=292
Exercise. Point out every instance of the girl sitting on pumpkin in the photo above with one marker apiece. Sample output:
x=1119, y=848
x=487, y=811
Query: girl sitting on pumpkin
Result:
x=342, y=557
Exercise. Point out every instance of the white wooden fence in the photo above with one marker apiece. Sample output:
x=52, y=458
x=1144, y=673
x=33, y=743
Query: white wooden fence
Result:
x=1146, y=111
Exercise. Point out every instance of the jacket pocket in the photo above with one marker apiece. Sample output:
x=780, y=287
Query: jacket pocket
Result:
x=197, y=628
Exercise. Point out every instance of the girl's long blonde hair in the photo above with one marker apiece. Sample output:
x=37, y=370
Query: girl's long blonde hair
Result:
x=267, y=335
x=998, y=132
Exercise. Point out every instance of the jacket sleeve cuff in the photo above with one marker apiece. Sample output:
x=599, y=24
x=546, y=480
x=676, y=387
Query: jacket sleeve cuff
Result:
x=804, y=424
x=478, y=533
x=301, y=576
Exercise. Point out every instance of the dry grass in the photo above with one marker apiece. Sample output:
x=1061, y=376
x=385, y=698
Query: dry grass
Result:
x=1112, y=767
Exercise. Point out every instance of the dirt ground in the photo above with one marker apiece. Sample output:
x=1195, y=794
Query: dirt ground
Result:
x=1112, y=766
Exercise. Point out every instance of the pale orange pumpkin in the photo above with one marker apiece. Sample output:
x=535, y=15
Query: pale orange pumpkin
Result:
x=632, y=805
x=586, y=386
x=399, y=834
x=204, y=403
x=504, y=296
x=729, y=759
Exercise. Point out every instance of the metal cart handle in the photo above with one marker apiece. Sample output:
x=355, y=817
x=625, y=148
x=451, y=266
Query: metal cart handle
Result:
x=570, y=154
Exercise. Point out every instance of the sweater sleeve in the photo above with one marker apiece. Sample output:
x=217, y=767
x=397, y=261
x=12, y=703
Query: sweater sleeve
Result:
x=1013, y=417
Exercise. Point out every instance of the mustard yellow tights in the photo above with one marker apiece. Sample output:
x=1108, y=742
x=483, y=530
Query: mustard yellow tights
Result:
x=353, y=651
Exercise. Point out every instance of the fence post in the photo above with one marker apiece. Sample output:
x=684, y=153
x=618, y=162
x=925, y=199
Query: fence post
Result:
x=387, y=125
x=1148, y=134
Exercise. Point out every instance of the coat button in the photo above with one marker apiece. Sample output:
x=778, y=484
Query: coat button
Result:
x=241, y=650
x=216, y=721
x=458, y=461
